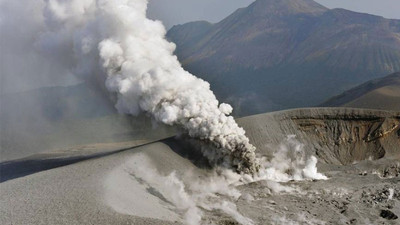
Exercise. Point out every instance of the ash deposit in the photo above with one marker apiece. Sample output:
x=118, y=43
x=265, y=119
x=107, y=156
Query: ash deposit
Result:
x=161, y=182
x=311, y=166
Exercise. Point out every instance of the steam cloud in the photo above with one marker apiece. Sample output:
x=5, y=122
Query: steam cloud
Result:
x=194, y=196
x=188, y=195
x=113, y=39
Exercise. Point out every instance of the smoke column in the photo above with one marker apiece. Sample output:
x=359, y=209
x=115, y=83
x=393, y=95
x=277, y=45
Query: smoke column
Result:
x=114, y=39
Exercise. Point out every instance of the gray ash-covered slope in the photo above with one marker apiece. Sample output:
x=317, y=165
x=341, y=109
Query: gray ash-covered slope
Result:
x=287, y=53
x=339, y=136
x=358, y=149
x=357, y=192
x=382, y=93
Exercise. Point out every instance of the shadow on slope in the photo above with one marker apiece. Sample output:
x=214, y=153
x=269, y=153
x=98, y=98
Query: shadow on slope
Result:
x=23, y=167
x=36, y=163
x=383, y=93
x=51, y=118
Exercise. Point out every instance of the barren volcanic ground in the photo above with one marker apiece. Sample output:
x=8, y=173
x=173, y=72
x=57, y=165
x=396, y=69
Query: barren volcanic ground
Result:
x=358, y=150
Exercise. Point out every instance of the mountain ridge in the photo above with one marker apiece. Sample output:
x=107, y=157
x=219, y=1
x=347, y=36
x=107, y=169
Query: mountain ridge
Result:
x=275, y=57
x=288, y=6
x=381, y=93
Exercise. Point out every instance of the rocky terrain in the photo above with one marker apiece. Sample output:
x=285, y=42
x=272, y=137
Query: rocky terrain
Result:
x=339, y=136
x=382, y=93
x=279, y=54
x=358, y=150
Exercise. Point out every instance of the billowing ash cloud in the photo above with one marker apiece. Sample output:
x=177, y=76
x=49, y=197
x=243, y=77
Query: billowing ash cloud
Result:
x=113, y=40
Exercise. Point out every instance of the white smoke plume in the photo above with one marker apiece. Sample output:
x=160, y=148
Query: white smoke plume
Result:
x=192, y=196
x=197, y=196
x=290, y=162
x=114, y=39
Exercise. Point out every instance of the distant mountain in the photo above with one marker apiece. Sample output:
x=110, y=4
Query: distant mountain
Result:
x=278, y=54
x=382, y=93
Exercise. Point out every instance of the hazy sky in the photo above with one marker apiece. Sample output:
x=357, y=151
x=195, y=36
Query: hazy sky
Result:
x=173, y=12
x=181, y=11
x=385, y=8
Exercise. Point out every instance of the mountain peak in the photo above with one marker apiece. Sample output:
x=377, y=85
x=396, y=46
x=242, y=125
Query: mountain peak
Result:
x=269, y=53
x=283, y=7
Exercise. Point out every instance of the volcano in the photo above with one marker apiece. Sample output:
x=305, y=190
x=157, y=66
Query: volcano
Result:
x=311, y=52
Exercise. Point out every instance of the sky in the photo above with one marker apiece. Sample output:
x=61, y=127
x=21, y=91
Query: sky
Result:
x=173, y=12
x=386, y=8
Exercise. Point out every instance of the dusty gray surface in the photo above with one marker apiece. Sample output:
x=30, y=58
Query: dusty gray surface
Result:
x=348, y=197
x=100, y=190
x=337, y=136
x=71, y=194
